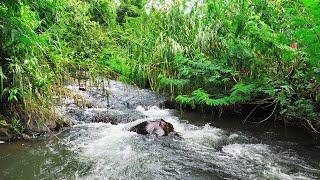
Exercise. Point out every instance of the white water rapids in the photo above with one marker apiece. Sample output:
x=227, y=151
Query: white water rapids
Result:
x=92, y=150
x=112, y=152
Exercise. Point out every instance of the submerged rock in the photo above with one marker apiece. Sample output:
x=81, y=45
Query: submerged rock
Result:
x=33, y=126
x=157, y=127
x=5, y=134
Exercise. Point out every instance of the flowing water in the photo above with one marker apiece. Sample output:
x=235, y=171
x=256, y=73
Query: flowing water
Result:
x=107, y=151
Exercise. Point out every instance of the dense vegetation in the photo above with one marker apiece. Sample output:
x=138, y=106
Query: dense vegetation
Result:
x=218, y=54
x=42, y=44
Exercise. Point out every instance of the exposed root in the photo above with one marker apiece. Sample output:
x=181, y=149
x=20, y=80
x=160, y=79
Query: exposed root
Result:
x=244, y=121
x=311, y=126
x=274, y=109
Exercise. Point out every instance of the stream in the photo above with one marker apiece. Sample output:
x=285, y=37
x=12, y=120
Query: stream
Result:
x=99, y=145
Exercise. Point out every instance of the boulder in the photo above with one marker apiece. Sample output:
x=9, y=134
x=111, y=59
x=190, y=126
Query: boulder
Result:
x=157, y=127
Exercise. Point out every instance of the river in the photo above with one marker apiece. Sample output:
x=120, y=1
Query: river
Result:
x=210, y=147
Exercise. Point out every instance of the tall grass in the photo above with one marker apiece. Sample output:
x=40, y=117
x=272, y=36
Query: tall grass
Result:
x=225, y=53
x=203, y=53
x=43, y=43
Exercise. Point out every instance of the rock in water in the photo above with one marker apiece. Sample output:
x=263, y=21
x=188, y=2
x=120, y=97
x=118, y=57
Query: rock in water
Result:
x=158, y=127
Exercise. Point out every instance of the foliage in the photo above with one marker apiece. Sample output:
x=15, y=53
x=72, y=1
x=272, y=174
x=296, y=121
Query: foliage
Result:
x=223, y=53
x=15, y=125
x=207, y=53
x=42, y=44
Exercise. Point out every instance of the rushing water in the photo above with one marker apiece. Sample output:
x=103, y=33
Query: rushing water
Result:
x=106, y=151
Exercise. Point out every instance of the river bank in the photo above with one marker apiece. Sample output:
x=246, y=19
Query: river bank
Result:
x=115, y=102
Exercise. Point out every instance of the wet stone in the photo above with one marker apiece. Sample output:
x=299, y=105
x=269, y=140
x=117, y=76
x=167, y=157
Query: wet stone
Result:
x=116, y=106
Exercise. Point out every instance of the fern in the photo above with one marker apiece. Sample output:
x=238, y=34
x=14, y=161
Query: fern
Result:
x=185, y=100
x=173, y=82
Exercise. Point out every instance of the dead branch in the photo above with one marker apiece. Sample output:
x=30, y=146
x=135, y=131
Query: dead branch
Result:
x=244, y=121
x=274, y=109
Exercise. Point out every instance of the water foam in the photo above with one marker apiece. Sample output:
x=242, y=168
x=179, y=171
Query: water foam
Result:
x=114, y=152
